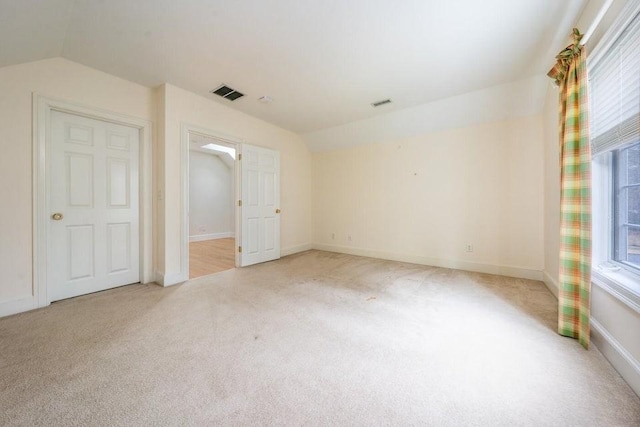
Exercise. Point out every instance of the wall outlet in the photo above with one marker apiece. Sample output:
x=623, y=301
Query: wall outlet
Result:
x=469, y=247
x=349, y=237
x=333, y=236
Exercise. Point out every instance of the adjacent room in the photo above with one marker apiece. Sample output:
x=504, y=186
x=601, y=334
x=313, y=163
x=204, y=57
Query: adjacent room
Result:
x=289, y=212
x=211, y=206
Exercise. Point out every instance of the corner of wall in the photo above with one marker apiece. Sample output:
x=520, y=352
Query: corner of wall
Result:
x=550, y=282
x=295, y=249
x=158, y=180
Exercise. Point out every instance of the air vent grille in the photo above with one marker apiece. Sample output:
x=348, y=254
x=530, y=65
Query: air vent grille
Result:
x=227, y=93
x=379, y=103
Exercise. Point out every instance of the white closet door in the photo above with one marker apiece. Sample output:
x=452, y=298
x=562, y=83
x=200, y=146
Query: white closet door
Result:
x=260, y=213
x=93, y=230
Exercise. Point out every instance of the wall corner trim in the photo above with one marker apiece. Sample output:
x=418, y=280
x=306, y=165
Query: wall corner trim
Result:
x=550, y=282
x=295, y=249
x=170, y=279
x=623, y=362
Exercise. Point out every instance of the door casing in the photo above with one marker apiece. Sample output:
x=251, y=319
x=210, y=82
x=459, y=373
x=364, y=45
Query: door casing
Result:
x=42, y=108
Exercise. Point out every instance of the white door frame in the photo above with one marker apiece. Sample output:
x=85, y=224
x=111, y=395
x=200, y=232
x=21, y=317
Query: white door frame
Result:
x=185, y=130
x=42, y=108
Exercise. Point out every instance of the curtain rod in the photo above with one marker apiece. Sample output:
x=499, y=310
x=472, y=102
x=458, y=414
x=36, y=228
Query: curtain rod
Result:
x=596, y=21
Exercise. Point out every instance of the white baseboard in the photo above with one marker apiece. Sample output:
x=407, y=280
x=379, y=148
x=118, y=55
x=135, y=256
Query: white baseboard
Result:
x=519, y=272
x=626, y=365
x=551, y=283
x=295, y=249
x=169, y=279
x=17, y=305
x=212, y=236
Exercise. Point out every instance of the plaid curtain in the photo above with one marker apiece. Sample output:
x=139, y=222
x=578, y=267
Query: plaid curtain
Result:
x=570, y=74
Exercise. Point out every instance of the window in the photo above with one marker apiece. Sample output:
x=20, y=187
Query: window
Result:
x=626, y=232
x=614, y=89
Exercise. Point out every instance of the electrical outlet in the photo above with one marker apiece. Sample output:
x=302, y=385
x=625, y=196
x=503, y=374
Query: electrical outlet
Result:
x=469, y=247
x=349, y=237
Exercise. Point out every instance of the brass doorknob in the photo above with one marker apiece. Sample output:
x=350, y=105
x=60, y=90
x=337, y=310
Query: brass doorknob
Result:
x=277, y=210
x=57, y=216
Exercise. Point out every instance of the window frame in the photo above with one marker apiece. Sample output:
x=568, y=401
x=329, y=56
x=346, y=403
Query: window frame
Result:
x=607, y=273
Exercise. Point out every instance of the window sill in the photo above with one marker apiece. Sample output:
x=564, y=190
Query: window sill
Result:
x=623, y=285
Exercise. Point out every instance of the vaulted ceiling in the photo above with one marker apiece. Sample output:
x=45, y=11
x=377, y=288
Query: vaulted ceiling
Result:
x=322, y=62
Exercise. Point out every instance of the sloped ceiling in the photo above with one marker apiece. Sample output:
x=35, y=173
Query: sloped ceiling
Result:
x=322, y=62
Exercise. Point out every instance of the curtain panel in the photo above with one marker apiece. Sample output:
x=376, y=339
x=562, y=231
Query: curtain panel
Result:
x=570, y=74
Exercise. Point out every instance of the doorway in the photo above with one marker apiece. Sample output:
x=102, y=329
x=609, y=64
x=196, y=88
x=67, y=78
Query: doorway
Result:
x=93, y=226
x=211, y=205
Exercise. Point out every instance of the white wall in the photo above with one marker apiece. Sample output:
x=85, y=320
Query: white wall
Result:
x=423, y=199
x=211, y=208
x=183, y=107
x=59, y=79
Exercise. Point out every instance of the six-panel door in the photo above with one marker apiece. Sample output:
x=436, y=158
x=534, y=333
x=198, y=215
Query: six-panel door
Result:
x=93, y=244
x=260, y=205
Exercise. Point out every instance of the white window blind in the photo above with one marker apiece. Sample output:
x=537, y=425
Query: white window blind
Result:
x=615, y=93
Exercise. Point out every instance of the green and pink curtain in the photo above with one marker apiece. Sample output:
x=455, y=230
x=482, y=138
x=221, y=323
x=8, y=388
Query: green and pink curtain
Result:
x=570, y=74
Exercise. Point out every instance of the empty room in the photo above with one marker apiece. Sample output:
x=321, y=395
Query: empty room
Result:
x=305, y=212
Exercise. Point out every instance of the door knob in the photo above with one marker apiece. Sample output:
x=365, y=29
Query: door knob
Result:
x=57, y=216
x=277, y=210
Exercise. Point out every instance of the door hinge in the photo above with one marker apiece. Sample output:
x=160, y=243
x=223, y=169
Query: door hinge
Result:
x=240, y=156
x=240, y=249
x=239, y=202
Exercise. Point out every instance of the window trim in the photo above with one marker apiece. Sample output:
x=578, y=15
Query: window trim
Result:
x=618, y=284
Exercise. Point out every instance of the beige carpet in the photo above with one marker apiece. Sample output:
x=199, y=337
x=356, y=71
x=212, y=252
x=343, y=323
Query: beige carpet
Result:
x=313, y=339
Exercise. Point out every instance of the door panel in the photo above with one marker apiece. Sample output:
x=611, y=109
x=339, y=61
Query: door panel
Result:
x=79, y=180
x=93, y=183
x=118, y=248
x=253, y=246
x=260, y=225
x=78, y=134
x=80, y=260
x=118, y=183
x=269, y=234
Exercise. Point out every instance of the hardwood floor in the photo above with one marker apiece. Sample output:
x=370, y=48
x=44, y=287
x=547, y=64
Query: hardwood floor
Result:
x=211, y=256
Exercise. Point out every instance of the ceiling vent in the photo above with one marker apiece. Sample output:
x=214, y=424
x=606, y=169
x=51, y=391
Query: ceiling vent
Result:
x=379, y=103
x=227, y=93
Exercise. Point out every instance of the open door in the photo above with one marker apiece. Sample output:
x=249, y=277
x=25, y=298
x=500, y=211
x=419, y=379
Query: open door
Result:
x=259, y=205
